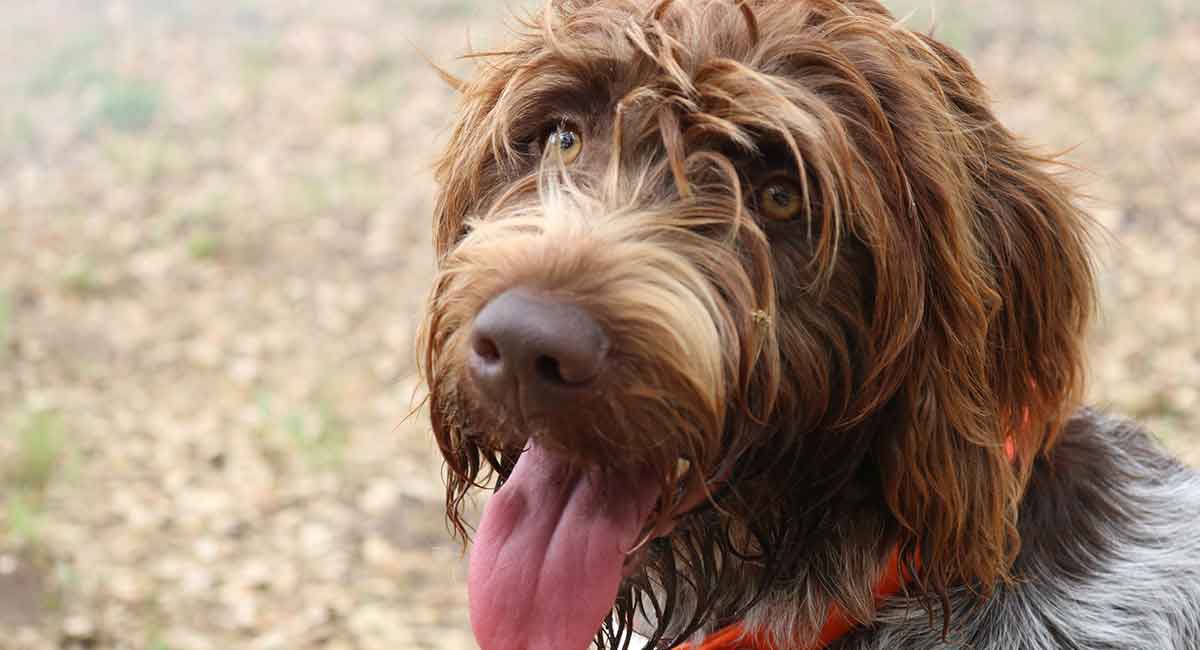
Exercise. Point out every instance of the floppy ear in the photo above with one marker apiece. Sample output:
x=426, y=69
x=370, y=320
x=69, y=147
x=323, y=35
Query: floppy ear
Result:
x=1005, y=290
x=468, y=163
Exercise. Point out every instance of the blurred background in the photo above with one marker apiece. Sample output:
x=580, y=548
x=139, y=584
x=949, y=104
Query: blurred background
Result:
x=214, y=225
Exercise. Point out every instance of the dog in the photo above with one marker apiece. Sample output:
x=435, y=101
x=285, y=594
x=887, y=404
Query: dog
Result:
x=768, y=334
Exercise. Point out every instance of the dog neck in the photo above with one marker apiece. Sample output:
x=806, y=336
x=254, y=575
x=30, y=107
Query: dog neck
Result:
x=837, y=624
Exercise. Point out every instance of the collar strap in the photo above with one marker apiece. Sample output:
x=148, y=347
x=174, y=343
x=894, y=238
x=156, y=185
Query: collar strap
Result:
x=837, y=623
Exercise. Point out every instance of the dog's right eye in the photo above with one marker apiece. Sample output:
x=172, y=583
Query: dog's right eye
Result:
x=566, y=142
x=780, y=200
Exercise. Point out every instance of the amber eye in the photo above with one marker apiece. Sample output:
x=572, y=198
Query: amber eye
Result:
x=566, y=142
x=780, y=200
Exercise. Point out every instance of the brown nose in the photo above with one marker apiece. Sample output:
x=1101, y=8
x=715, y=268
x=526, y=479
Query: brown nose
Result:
x=535, y=353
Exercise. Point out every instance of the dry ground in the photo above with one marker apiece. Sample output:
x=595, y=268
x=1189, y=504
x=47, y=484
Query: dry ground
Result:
x=213, y=248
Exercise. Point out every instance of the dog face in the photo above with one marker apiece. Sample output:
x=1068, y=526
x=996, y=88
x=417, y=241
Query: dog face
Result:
x=811, y=288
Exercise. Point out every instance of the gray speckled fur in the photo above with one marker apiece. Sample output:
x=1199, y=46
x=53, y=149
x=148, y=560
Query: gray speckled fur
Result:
x=1133, y=584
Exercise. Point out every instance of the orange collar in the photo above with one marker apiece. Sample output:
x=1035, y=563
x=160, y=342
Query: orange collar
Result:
x=838, y=623
x=735, y=637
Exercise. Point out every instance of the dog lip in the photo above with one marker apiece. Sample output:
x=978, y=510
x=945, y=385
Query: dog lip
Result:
x=633, y=562
x=687, y=500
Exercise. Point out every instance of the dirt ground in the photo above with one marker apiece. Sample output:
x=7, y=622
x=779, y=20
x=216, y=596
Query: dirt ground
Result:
x=213, y=251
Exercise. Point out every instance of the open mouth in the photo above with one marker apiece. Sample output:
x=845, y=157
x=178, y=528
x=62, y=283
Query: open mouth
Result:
x=552, y=549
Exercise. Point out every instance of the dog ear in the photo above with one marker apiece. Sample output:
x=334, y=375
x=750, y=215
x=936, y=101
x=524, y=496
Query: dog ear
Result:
x=468, y=162
x=1005, y=293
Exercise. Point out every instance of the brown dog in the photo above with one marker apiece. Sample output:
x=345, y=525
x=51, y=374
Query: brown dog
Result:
x=741, y=302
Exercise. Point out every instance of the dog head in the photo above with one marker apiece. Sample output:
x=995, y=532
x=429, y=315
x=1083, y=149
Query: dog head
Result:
x=811, y=286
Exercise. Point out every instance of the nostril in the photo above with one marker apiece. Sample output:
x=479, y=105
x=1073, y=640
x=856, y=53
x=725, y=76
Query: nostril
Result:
x=549, y=370
x=486, y=348
x=541, y=350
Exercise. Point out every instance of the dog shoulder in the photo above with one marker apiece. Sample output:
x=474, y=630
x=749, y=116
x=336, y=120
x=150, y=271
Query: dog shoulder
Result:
x=1110, y=557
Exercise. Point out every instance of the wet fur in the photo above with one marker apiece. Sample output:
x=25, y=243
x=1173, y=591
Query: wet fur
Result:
x=1110, y=559
x=843, y=383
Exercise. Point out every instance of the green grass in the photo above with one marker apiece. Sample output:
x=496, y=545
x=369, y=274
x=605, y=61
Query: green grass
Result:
x=39, y=451
x=129, y=106
x=20, y=134
x=80, y=277
x=124, y=105
x=318, y=430
x=204, y=246
x=73, y=67
x=321, y=433
x=202, y=229
x=1119, y=34
x=24, y=519
x=27, y=475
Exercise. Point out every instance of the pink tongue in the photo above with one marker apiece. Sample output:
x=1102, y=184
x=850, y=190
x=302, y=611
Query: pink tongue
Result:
x=549, y=553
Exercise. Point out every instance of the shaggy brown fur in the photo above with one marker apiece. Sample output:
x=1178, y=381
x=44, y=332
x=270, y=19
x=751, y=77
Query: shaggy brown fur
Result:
x=841, y=382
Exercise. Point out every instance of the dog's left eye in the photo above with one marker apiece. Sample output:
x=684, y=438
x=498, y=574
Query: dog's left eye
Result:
x=566, y=142
x=780, y=200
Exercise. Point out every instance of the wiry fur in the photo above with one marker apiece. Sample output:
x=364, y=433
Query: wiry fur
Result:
x=843, y=383
x=1110, y=558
